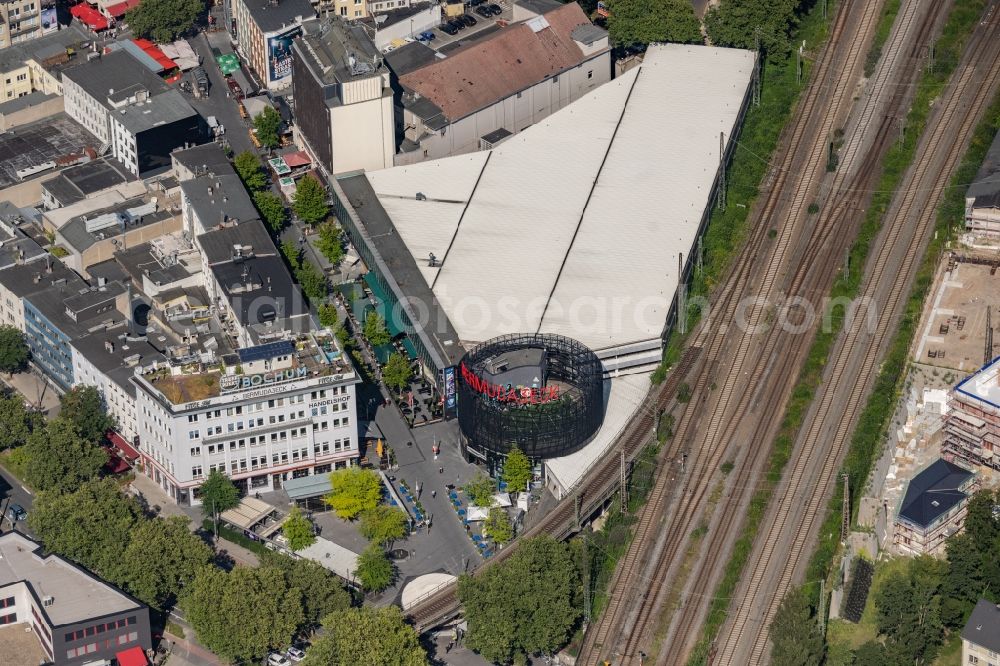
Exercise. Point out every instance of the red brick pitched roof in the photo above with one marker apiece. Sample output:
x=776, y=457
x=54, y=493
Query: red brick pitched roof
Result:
x=513, y=59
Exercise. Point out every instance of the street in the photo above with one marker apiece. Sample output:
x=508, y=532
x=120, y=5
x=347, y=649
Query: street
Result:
x=219, y=103
x=18, y=494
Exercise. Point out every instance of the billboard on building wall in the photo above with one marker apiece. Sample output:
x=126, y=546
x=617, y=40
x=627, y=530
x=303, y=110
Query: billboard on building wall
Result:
x=450, y=392
x=279, y=55
x=50, y=21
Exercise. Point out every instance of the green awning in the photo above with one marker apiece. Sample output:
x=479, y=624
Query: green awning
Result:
x=305, y=487
x=410, y=348
x=228, y=63
x=383, y=352
x=384, y=305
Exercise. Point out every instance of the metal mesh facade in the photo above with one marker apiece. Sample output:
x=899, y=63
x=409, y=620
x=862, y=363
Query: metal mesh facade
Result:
x=491, y=426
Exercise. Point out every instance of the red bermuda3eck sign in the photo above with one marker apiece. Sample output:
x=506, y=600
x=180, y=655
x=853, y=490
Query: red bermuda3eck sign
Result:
x=519, y=396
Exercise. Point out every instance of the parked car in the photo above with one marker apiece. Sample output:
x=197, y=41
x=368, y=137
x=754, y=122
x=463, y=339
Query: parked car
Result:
x=495, y=10
x=427, y=36
x=457, y=24
x=448, y=28
x=277, y=659
x=483, y=11
x=476, y=3
x=295, y=654
x=16, y=513
x=467, y=19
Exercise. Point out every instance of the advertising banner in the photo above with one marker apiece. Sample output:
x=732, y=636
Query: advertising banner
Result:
x=50, y=22
x=279, y=55
x=450, y=392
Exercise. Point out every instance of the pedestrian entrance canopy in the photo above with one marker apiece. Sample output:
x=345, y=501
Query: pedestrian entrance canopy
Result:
x=134, y=656
x=228, y=63
x=307, y=487
x=249, y=513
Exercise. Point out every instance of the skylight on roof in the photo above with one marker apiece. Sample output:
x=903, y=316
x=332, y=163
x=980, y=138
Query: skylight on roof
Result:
x=538, y=24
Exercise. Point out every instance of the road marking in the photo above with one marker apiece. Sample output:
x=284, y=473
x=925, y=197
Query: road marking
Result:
x=25, y=489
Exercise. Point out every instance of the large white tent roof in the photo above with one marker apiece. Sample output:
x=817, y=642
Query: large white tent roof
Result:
x=574, y=226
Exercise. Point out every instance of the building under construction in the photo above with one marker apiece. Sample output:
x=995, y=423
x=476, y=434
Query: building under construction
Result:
x=972, y=427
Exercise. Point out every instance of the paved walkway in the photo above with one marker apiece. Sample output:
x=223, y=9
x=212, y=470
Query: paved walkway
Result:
x=36, y=390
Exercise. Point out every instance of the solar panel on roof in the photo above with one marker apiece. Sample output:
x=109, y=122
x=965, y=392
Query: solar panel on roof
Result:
x=266, y=351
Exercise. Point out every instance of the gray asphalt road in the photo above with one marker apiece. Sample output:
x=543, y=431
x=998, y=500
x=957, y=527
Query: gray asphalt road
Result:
x=217, y=103
x=11, y=488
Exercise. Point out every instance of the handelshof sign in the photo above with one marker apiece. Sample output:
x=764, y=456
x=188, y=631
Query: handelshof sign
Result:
x=520, y=395
x=230, y=383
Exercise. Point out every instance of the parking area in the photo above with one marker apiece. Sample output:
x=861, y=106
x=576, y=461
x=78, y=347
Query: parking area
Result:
x=484, y=25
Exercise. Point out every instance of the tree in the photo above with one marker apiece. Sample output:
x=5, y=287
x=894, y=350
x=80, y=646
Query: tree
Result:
x=908, y=611
x=871, y=653
x=164, y=20
x=524, y=605
x=982, y=524
x=292, y=253
x=367, y=635
x=162, y=558
x=795, y=636
x=312, y=281
x=13, y=422
x=268, y=125
x=59, y=459
x=322, y=592
x=248, y=167
x=396, y=372
x=634, y=22
x=84, y=407
x=965, y=581
x=375, y=572
x=88, y=526
x=309, y=200
x=375, y=331
x=383, y=524
x=480, y=490
x=243, y=614
x=271, y=209
x=353, y=490
x=298, y=530
x=517, y=471
x=328, y=316
x=331, y=243
x=739, y=23
x=498, y=526
x=218, y=493
x=13, y=350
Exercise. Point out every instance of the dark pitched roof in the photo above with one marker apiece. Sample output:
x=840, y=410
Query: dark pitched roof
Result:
x=260, y=290
x=410, y=57
x=270, y=16
x=219, y=198
x=38, y=276
x=219, y=245
x=209, y=156
x=983, y=627
x=933, y=492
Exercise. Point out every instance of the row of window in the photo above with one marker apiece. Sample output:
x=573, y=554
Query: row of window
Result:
x=110, y=643
x=270, y=404
x=98, y=629
x=260, y=462
x=194, y=435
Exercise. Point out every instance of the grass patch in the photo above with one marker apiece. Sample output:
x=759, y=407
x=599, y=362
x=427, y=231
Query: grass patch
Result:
x=236, y=537
x=15, y=461
x=885, y=21
x=174, y=629
x=867, y=438
x=951, y=652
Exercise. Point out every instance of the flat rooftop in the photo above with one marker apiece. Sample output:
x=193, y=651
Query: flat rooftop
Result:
x=270, y=16
x=338, y=52
x=40, y=142
x=574, y=225
x=80, y=181
x=983, y=386
x=77, y=594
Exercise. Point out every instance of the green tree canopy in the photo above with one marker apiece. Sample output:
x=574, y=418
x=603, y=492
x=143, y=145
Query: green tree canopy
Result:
x=908, y=611
x=292, y=253
x=524, y=605
x=298, y=530
x=309, y=200
x=383, y=524
x=375, y=331
x=480, y=490
x=498, y=526
x=871, y=653
x=218, y=493
x=982, y=521
x=353, y=490
x=322, y=592
x=243, y=614
x=367, y=635
x=375, y=572
x=59, y=459
x=795, y=636
x=88, y=526
x=162, y=558
x=13, y=350
x=312, y=281
x=328, y=316
x=643, y=22
x=268, y=126
x=164, y=20
x=248, y=166
x=517, y=471
x=84, y=407
x=13, y=422
x=738, y=23
x=396, y=372
x=331, y=242
x=271, y=209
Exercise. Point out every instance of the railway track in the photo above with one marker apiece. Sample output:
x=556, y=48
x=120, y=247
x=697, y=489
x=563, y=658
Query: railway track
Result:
x=779, y=551
x=822, y=104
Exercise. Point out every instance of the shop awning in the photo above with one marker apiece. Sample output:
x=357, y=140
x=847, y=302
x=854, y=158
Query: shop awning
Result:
x=383, y=352
x=118, y=10
x=122, y=445
x=154, y=52
x=228, y=63
x=385, y=308
x=248, y=513
x=410, y=348
x=134, y=656
x=307, y=487
x=297, y=159
x=90, y=16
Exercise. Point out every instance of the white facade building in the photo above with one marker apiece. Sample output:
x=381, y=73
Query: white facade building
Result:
x=281, y=410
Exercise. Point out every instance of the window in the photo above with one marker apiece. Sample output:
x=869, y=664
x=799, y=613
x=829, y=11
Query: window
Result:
x=196, y=471
x=194, y=434
x=195, y=451
x=7, y=603
x=590, y=73
x=10, y=618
